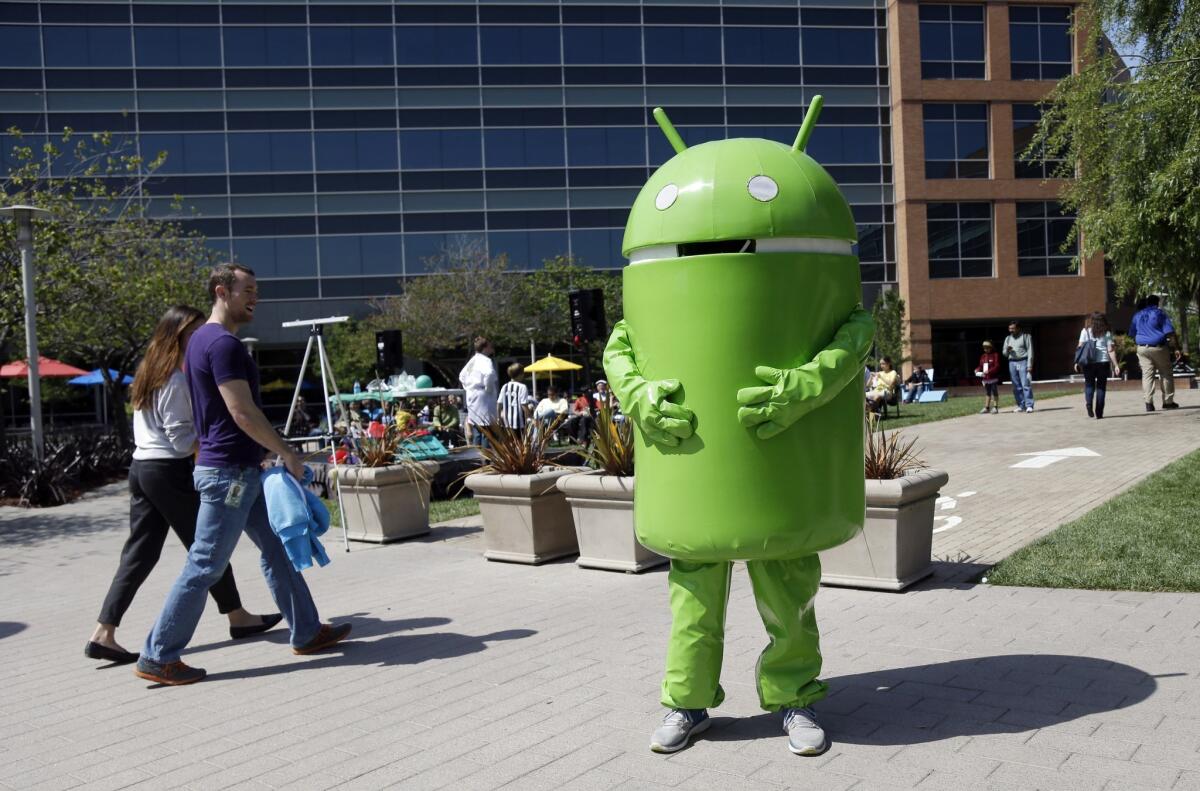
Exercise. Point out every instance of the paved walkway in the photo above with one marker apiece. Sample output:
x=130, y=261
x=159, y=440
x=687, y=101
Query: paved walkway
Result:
x=466, y=674
x=993, y=507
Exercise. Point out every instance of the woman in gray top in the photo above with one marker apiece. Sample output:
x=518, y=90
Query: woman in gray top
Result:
x=160, y=487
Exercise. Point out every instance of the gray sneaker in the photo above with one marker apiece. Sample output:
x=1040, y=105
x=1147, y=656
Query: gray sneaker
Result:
x=677, y=729
x=805, y=736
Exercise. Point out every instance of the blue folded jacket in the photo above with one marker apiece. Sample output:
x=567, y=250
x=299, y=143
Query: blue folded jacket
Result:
x=297, y=516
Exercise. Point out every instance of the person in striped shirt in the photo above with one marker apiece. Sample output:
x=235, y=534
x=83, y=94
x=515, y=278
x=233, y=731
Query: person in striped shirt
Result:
x=514, y=403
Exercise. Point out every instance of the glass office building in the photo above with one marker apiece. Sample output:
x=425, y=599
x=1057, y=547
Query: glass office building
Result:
x=337, y=147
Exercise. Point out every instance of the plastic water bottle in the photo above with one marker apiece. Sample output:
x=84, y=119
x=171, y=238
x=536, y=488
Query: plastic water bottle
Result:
x=357, y=386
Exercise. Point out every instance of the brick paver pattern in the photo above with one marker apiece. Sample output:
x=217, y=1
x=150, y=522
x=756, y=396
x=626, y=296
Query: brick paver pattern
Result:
x=466, y=674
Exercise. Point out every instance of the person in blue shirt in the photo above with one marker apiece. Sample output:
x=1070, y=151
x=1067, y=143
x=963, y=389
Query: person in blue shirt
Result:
x=1151, y=328
x=374, y=411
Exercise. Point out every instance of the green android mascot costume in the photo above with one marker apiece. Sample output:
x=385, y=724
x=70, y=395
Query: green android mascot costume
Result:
x=740, y=361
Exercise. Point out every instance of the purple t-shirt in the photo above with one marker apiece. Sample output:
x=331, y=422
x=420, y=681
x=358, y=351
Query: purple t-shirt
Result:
x=215, y=356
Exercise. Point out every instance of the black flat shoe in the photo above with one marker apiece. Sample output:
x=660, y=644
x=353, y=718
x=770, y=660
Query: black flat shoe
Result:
x=96, y=651
x=239, y=632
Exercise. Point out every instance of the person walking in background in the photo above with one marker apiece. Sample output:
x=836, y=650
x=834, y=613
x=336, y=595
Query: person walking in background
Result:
x=1154, y=334
x=1095, y=349
x=233, y=436
x=514, y=402
x=161, y=494
x=988, y=372
x=1018, y=348
x=916, y=383
x=481, y=386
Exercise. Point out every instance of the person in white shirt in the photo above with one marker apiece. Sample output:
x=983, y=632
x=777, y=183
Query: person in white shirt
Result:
x=552, y=407
x=161, y=493
x=481, y=386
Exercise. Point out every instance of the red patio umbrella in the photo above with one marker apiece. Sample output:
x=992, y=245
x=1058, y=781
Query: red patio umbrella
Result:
x=46, y=367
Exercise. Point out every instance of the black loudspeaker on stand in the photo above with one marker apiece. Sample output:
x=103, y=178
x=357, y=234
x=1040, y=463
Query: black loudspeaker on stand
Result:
x=389, y=352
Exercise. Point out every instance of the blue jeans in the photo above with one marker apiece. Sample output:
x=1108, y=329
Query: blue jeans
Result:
x=915, y=392
x=1095, y=385
x=218, y=528
x=1021, y=384
x=477, y=437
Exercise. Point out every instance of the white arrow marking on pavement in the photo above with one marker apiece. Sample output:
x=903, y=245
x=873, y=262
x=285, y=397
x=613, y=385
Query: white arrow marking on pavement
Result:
x=1045, y=458
x=951, y=521
x=947, y=503
x=964, y=494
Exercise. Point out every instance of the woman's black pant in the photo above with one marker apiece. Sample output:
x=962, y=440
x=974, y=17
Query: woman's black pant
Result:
x=161, y=495
x=1095, y=384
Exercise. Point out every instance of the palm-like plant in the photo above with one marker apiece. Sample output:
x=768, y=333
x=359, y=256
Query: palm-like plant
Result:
x=515, y=452
x=612, y=443
x=889, y=457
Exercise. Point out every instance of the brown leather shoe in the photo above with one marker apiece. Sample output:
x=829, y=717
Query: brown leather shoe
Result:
x=173, y=674
x=327, y=635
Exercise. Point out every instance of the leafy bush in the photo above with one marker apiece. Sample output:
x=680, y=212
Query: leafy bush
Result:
x=71, y=464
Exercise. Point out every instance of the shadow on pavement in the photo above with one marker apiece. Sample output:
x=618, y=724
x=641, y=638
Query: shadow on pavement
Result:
x=364, y=626
x=9, y=628
x=38, y=525
x=393, y=650
x=968, y=697
x=437, y=533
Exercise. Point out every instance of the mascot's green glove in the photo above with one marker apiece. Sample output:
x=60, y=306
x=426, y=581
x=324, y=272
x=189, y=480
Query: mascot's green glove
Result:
x=643, y=401
x=791, y=393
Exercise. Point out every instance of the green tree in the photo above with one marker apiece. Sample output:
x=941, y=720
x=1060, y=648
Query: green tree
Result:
x=888, y=312
x=543, y=297
x=351, y=350
x=466, y=293
x=1130, y=143
x=108, y=263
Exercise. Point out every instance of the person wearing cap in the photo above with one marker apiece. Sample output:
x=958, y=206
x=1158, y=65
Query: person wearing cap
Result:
x=988, y=372
x=602, y=394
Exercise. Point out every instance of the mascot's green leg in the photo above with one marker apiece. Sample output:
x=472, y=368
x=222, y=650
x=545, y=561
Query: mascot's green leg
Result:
x=699, y=592
x=785, y=591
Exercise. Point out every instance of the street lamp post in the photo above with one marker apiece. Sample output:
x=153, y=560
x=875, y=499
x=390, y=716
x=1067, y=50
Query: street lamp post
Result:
x=532, y=356
x=23, y=217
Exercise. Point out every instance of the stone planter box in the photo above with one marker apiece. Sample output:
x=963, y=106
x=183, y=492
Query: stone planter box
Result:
x=526, y=518
x=385, y=504
x=602, y=507
x=893, y=549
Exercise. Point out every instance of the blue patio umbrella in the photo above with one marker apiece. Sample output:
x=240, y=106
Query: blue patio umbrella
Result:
x=96, y=377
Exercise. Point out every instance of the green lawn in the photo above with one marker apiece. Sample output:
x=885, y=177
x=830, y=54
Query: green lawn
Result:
x=1143, y=540
x=439, y=510
x=912, y=414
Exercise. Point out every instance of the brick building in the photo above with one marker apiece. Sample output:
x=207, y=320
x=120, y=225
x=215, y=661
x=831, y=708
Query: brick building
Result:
x=978, y=232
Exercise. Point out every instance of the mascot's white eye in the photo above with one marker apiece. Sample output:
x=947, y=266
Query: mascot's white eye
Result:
x=763, y=188
x=666, y=197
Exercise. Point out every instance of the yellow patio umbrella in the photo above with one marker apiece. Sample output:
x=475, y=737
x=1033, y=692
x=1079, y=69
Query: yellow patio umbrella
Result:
x=550, y=364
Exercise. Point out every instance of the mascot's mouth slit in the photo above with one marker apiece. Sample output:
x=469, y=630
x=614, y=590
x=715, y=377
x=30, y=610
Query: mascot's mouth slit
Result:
x=715, y=248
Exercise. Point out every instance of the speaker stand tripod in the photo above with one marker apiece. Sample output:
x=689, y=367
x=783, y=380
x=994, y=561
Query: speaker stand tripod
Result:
x=316, y=337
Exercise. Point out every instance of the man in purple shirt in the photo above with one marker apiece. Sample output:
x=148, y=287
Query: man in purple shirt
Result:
x=234, y=435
